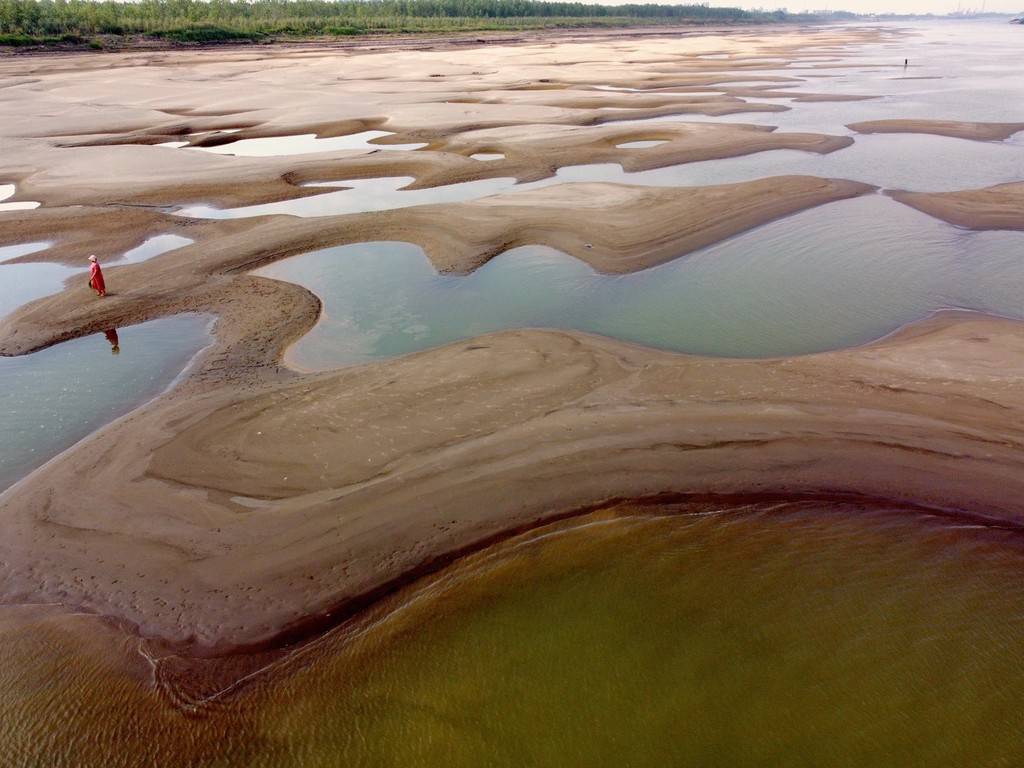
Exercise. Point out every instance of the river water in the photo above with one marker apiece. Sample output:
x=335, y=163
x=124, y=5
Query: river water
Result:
x=798, y=635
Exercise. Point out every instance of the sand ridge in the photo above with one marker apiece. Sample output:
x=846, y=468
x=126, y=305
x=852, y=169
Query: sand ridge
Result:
x=613, y=227
x=953, y=128
x=997, y=207
x=140, y=175
x=222, y=519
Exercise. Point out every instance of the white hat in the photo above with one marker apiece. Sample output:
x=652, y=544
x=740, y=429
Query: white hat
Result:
x=93, y=257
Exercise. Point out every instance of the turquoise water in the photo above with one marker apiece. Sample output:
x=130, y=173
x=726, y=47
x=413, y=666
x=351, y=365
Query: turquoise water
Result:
x=53, y=398
x=835, y=276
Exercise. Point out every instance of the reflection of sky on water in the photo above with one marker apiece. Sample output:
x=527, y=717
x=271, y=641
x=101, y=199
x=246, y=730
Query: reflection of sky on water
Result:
x=838, y=275
x=894, y=161
x=898, y=161
x=362, y=195
x=7, y=191
x=958, y=70
x=21, y=283
x=54, y=397
x=154, y=246
x=304, y=144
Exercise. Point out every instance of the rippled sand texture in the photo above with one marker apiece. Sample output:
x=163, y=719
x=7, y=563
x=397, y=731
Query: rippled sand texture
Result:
x=254, y=507
x=265, y=510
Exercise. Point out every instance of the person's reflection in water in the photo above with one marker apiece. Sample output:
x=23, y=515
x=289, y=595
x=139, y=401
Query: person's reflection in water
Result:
x=115, y=346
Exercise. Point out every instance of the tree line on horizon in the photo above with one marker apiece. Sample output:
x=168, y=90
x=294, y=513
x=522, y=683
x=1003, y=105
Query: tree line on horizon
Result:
x=198, y=20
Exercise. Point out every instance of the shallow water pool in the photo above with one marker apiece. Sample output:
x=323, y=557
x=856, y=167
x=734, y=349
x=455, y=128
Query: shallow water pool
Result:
x=7, y=191
x=359, y=196
x=152, y=247
x=307, y=143
x=53, y=398
x=892, y=161
x=22, y=283
x=835, y=276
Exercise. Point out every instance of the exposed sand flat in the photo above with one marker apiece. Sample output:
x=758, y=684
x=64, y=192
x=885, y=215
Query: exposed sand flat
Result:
x=770, y=92
x=79, y=231
x=222, y=519
x=54, y=106
x=159, y=176
x=613, y=227
x=953, y=128
x=998, y=207
x=562, y=145
x=711, y=103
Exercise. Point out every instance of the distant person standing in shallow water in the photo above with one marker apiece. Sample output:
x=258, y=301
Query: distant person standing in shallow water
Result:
x=96, y=278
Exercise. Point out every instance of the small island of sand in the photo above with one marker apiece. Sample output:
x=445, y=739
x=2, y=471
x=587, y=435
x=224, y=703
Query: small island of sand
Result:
x=997, y=207
x=953, y=128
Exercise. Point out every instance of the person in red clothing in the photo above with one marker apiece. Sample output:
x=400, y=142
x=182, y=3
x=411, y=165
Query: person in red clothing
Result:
x=96, y=278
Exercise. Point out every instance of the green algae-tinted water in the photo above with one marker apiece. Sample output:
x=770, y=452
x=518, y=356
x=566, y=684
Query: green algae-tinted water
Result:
x=52, y=398
x=836, y=276
x=796, y=635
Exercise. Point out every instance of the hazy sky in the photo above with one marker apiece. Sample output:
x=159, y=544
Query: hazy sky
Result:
x=882, y=6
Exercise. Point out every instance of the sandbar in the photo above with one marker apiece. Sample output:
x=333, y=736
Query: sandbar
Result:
x=956, y=129
x=229, y=518
x=997, y=207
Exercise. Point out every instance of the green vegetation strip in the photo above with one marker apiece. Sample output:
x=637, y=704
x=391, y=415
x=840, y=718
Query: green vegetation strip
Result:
x=55, y=22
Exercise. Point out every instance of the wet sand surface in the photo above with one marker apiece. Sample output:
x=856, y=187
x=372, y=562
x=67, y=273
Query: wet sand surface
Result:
x=998, y=207
x=956, y=130
x=254, y=505
x=301, y=494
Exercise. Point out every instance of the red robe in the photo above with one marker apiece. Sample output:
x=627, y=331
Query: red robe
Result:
x=96, y=278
